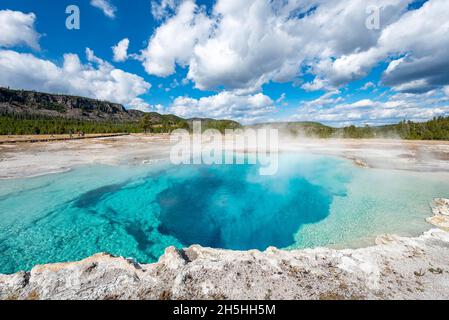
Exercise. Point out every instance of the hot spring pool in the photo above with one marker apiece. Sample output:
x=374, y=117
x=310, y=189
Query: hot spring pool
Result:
x=138, y=211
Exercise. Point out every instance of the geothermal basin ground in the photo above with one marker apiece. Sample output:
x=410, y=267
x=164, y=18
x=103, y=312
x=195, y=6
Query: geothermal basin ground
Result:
x=327, y=211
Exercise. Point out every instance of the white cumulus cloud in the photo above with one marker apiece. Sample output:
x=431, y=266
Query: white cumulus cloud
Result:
x=141, y=105
x=108, y=9
x=97, y=79
x=242, y=45
x=173, y=42
x=17, y=28
x=162, y=8
x=419, y=39
x=401, y=106
x=121, y=50
x=224, y=105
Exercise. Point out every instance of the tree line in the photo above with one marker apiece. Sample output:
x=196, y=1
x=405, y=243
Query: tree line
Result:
x=26, y=124
x=435, y=129
x=22, y=124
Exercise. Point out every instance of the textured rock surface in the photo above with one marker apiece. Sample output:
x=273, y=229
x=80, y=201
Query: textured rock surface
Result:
x=440, y=209
x=52, y=105
x=396, y=268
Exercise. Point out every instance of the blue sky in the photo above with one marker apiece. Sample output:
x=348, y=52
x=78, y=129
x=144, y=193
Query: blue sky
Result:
x=252, y=61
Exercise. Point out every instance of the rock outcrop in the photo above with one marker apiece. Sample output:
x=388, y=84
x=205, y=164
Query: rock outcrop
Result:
x=31, y=103
x=396, y=268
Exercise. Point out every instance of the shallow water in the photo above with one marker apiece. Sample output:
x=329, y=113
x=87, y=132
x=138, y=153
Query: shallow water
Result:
x=138, y=211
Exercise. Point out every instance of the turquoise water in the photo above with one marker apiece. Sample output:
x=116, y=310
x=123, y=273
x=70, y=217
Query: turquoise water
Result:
x=137, y=211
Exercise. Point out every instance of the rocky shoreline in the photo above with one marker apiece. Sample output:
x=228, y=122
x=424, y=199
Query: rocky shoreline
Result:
x=395, y=268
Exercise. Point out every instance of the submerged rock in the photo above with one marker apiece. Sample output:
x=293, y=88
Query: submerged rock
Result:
x=440, y=209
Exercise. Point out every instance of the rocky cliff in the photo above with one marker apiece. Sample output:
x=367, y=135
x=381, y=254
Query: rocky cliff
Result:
x=396, y=268
x=30, y=103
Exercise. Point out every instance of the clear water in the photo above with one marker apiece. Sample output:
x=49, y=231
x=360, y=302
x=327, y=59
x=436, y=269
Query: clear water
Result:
x=138, y=211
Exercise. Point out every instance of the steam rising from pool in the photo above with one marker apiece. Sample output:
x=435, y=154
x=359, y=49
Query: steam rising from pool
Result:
x=138, y=211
